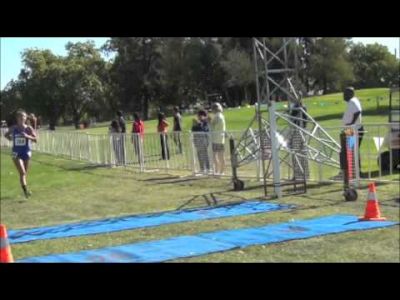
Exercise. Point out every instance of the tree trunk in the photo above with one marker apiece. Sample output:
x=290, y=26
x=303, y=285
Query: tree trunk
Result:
x=52, y=122
x=54, y=115
x=325, y=86
x=145, y=107
x=76, y=118
x=307, y=83
x=231, y=93
x=227, y=98
x=246, y=98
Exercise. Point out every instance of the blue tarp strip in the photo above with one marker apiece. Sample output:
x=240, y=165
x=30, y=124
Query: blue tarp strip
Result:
x=211, y=242
x=141, y=221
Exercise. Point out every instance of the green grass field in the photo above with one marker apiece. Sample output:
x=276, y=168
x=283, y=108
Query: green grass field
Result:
x=327, y=110
x=67, y=191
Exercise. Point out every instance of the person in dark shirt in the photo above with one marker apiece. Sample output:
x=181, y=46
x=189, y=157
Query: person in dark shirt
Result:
x=122, y=126
x=200, y=131
x=116, y=138
x=121, y=121
x=299, y=117
x=177, y=129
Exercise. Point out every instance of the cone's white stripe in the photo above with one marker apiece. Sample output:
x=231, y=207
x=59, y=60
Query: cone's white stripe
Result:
x=372, y=196
x=4, y=243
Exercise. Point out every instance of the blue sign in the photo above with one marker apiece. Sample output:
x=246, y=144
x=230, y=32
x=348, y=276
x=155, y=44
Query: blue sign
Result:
x=351, y=141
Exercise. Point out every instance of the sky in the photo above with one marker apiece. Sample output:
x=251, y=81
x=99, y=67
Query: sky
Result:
x=11, y=49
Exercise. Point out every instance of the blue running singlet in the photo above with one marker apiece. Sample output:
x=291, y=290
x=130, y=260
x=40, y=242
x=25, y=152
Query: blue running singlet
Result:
x=21, y=145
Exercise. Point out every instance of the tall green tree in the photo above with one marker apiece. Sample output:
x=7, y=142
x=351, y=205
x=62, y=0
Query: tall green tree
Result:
x=240, y=71
x=203, y=70
x=306, y=45
x=173, y=72
x=374, y=66
x=136, y=72
x=330, y=67
x=11, y=98
x=44, y=77
x=84, y=86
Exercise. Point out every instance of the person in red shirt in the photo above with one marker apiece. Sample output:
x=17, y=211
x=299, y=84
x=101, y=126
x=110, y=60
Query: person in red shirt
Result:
x=162, y=128
x=138, y=125
x=137, y=136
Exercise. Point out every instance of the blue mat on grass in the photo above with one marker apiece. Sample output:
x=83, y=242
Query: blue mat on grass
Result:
x=211, y=242
x=141, y=221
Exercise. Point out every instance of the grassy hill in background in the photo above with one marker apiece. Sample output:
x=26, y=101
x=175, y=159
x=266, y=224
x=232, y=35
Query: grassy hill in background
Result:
x=327, y=110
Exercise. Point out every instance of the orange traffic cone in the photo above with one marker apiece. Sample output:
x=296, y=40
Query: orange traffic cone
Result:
x=372, y=211
x=5, y=250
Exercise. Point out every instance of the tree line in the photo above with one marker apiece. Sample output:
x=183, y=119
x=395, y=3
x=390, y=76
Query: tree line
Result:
x=150, y=73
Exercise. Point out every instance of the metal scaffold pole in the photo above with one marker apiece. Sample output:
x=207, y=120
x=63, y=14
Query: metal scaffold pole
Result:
x=259, y=116
x=292, y=137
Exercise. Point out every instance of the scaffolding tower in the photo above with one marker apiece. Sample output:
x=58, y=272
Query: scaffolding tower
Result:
x=298, y=138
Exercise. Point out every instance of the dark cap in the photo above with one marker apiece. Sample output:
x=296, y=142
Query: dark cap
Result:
x=202, y=112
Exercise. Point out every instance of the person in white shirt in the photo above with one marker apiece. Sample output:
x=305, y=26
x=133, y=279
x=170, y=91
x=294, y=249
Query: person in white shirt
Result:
x=352, y=117
x=218, y=138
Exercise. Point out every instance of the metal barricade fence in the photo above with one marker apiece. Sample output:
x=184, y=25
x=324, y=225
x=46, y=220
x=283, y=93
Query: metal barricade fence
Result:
x=377, y=154
x=192, y=152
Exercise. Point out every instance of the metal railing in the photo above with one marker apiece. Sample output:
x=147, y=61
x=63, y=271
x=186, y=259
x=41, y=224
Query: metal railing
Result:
x=192, y=152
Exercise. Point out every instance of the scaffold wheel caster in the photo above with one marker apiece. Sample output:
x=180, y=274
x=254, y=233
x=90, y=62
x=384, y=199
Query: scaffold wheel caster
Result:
x=350, y=195
x=238, y=185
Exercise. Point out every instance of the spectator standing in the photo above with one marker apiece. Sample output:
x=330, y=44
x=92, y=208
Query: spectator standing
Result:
x=352, y=117
x=218, y=133
x=200, y=131
x=177, y=129
x=162, y=129
x=138, y=136
x=122, y=126
x=116, y=137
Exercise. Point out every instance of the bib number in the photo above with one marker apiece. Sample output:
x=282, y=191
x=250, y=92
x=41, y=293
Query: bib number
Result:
x=20, y=141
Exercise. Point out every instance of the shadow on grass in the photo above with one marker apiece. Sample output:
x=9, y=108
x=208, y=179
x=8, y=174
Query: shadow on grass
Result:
x=169, y=179
x=72, y=168
x=391, y=203
x=181, y=180
x=383, y=111
x=376, y=174
x=7, y=198
x=324, y=203
x=160, y=178
x=212, y=199
x=84, y=168
x=293, y=190
x=20, y=200
x=87, y=168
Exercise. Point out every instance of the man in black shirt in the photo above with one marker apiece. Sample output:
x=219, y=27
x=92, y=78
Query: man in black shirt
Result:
x=121, y=121
x=122, y=126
